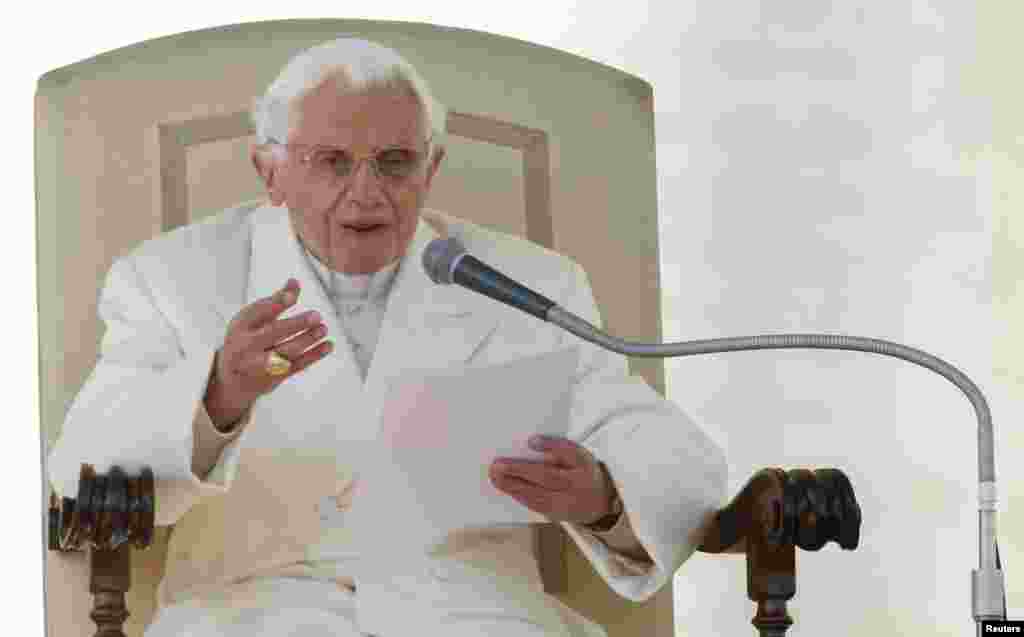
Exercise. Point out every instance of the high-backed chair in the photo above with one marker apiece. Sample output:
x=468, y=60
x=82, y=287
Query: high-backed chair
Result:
x=144, y=139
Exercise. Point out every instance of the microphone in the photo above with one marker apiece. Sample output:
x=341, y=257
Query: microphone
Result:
x=446, y=261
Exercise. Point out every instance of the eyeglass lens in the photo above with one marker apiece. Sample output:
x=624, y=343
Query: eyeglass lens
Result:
x=394, y=162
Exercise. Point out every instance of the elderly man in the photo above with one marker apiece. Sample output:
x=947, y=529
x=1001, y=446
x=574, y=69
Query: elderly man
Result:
x=219, y=369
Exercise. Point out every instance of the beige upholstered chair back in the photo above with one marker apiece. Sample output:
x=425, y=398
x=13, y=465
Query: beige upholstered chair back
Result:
x=146, y=138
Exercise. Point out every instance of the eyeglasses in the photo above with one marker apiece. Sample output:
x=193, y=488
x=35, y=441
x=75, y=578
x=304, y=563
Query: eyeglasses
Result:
x=329, y=163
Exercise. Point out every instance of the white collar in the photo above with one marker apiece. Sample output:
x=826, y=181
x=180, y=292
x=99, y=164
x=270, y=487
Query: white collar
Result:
x=372, y=286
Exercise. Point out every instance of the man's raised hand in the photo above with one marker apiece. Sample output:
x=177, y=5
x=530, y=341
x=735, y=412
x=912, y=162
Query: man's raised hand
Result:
x=241, y=375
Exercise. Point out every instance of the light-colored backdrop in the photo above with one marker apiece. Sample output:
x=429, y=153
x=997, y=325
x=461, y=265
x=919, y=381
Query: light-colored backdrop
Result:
x=837, y=174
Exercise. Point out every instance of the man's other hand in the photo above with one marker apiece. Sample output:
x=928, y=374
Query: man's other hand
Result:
x=567, y=485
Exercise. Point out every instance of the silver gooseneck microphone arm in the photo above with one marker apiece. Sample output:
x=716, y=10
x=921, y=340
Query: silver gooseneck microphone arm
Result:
x=986, y=455
x=987, y=591
x=442, y=259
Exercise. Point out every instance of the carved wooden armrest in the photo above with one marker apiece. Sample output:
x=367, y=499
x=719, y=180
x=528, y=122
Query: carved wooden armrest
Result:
x=775, y=512
x=111, y=514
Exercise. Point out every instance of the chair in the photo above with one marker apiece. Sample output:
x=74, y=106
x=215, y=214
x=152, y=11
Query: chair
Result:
x=121, y=142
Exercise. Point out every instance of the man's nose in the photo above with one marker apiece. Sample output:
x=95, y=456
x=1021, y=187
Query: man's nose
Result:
x=364, y=185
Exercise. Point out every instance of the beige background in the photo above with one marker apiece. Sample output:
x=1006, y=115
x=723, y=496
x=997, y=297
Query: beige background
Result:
x=999, y=50
x=138, y=140
x=837, y=171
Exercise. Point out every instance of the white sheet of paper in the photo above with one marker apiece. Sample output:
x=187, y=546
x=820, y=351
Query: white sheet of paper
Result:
x=439, y=433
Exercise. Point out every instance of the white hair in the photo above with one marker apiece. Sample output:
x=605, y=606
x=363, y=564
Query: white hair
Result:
x=361, y=65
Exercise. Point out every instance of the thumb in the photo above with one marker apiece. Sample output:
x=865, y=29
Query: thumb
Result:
x=289, y=293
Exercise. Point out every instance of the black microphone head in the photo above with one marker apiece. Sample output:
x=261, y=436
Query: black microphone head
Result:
x=439, y=259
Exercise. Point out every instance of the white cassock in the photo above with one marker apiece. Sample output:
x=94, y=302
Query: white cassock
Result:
x=256, y=542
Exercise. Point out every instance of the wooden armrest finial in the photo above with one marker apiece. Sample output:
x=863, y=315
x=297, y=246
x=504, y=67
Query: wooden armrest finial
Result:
x=773, y=514
x=111, y=510
x=111, y=514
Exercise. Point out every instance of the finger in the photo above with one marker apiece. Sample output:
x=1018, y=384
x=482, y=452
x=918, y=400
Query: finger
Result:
x=292, y=348
x=563, y=451
x=253, y=365
x=510, y=485
x=542, y=474
x=261, y=312
x=310, y=357
x=273, y=333
x=530, y=496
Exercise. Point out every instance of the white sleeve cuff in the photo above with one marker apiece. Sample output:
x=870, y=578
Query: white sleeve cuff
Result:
x=627, y=555
x=213, y=450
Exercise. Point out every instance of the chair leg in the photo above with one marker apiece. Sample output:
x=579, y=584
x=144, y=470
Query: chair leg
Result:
x=109, y=580
x=771, y=582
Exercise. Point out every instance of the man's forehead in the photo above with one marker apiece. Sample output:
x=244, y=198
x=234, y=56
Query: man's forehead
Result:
x=376, y=118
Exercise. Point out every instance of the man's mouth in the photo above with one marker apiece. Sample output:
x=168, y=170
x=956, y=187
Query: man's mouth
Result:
x=363, y=228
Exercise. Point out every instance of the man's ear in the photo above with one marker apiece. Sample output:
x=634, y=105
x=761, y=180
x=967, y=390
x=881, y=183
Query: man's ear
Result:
x=435, y=165
x=265, y=163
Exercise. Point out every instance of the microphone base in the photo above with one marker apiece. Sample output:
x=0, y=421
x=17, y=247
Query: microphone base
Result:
x=987, y=594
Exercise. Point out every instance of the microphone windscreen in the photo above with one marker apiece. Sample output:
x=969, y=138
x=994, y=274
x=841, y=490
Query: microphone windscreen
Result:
x=439, y=258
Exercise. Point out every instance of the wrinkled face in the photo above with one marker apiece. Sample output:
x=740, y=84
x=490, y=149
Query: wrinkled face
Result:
x=354, y=220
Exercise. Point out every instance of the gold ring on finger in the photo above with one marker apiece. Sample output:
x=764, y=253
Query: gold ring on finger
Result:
x=277, y=365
